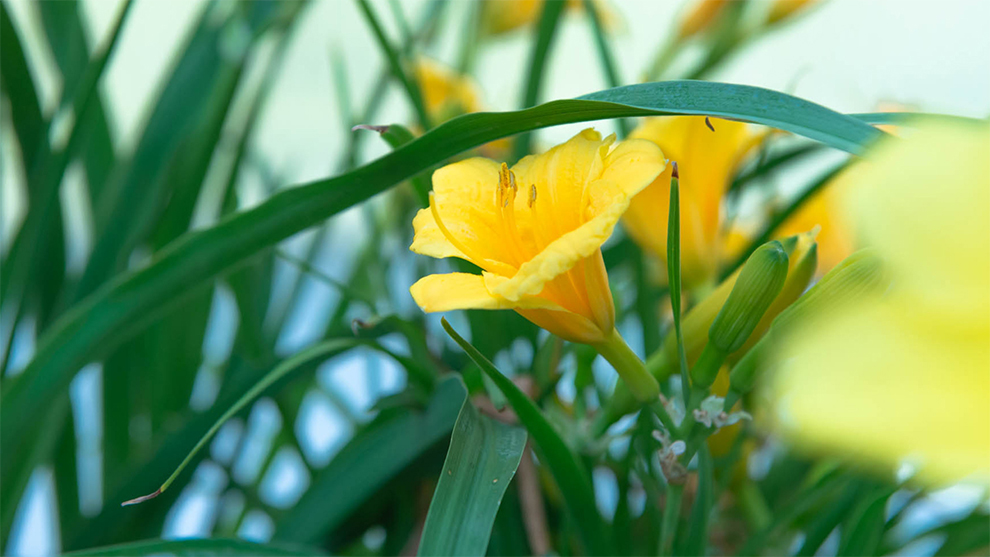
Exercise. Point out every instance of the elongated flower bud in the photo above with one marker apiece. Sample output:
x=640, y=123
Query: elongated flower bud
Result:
x=803, y=262
x=858, y=275
x=759, y=282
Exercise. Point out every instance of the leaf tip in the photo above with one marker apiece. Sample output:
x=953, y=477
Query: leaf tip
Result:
x=142, y=498
x=674, y=174
x=380, y=129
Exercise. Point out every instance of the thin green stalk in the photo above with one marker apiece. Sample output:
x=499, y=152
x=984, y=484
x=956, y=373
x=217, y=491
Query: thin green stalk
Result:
x=395, y=63
x=549, y=20
x=605, y=54
x=674, y=276
x=671, y=516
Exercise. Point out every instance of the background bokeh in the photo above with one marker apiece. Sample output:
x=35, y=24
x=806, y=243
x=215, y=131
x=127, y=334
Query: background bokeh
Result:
x=849, y=55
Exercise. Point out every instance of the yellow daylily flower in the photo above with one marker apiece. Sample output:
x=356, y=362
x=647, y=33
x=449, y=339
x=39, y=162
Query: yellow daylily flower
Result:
x=707, y=161
x=445, y=92
x=535, y=231
x=903, y=379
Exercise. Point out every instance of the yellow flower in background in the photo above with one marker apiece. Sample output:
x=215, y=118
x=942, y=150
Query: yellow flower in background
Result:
x=504, y=16
x=707, y=161
x=700, y=16
x=535, y=231
x=784, y=9
x=445, y=92
x=828, y=210
x=905, y=379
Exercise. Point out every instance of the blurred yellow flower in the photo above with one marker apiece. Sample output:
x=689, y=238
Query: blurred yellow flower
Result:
x=707, y=161
x=700, y=16
x=784, y=9
x=535, y=231
x=504, y=16
x=827, y=209
x=905, y=379
x=446, y=93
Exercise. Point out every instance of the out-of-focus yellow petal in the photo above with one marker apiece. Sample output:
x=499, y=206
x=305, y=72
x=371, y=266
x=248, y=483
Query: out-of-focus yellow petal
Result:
x=706, y=161
x=904, y=379
x=935, y=234
x=884, y=387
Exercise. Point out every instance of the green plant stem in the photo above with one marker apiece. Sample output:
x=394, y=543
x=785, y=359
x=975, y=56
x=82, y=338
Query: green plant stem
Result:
x=706, y=368
x=605, y=54
x=545, y=32
x=629, y=367
x=671, y=515
x=411, y=86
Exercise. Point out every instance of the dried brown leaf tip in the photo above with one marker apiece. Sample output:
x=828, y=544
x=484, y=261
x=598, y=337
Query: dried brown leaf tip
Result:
x=379, y=129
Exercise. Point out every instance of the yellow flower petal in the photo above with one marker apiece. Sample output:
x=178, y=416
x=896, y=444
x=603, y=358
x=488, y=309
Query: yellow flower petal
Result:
x=536, y=230
x=706, y=161
x=435, y=293
x=886, y=388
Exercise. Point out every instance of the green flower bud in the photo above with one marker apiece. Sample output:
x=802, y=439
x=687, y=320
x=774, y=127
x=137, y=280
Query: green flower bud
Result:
x=759, y=282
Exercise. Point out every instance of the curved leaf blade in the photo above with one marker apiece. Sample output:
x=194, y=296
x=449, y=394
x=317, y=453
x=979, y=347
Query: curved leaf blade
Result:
x=195, y=548
x=481, y=461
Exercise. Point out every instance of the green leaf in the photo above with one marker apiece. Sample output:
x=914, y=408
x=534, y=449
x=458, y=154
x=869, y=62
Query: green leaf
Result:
x=481, y=461
x=372, y=457
x=131, y=302
x=864, y=528
x=571, y=476
x=196, y=548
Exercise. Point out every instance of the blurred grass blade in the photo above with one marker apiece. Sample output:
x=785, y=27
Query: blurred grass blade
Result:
x=63, y=26
x=864, y=527
x=571, y=476
x=196, y=548
x=544, y=34
x=481, y=461
x=697, y=540
x=18, y=86
x=321, y=350
x=400, y=72
x=372, y=457
x=132, y=301
x=605, y=55
x=21, y=264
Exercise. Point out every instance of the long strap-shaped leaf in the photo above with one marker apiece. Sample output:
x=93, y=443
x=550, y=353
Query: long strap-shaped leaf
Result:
x=482, y=459
x=124, y=306
x=571, y=476
x=196, y=547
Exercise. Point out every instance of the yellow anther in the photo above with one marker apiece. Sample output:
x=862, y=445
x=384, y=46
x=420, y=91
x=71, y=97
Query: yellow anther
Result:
x=532, y=195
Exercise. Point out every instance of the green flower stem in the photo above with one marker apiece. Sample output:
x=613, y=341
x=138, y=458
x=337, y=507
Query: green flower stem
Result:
x=629, y=367
x=671, y=514
x=706, y=368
